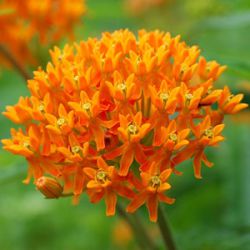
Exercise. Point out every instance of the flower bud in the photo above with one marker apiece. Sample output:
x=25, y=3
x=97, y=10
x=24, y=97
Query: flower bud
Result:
x=49, y=187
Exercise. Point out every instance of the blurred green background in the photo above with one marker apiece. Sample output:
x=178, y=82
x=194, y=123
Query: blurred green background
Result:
x=209, y=214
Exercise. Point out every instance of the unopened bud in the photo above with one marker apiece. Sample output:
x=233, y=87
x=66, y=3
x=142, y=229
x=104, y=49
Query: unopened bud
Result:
x=49, y=187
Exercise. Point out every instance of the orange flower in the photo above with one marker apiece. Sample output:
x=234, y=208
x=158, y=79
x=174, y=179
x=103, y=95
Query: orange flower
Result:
x=154, y=185
x=108, y=110
x=19, y=113
x=124, y=93
x=131, y=132
x=63, y=124
x=205, y=135
x=230, y=104
x=166, y=103
x=88, y=111
x=105, y=182
x=35, y=146
x=171, y=141
x=75, y=152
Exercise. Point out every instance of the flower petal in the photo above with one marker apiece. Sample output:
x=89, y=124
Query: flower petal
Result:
x=93, y=185
x=165, y=174
x=163, y=187
x=126, y=161
x=165, y=198
x=152, y=205
x=138, y=201
x=110, y=200
x=90, y=172
x=197, y=164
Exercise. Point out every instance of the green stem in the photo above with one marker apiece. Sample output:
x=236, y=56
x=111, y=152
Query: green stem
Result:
x=148, y=107
x=165, y=230
x=15, y=63
x=143, y=104
x=141, y=235
x=66, y=194
x=146, y=237
x=132, y=225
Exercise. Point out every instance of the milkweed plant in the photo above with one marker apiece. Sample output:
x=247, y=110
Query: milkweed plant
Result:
x=116, y=116
x=113, y=116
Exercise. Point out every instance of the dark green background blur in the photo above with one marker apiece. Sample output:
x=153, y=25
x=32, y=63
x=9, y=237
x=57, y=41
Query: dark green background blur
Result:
x=209, y=214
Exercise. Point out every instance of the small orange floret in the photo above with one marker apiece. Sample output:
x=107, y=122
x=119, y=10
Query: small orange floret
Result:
x=105, y=182
x=153, y=186
x=117, y=115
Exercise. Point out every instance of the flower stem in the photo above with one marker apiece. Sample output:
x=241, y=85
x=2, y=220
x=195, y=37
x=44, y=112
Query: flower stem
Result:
x=146, y=237
x=141, y=235
x=15, y=63
x=130, y=222
x=165, y=230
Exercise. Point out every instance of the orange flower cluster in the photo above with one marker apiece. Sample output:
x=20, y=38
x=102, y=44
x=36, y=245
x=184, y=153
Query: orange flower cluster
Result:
x=50, y=20
x=115, y=116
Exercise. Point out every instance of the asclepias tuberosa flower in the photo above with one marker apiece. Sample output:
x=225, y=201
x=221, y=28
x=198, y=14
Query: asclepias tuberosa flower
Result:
x=115, y=116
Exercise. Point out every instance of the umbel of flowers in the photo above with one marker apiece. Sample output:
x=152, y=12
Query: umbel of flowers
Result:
x=115, y=116
x=49, y=20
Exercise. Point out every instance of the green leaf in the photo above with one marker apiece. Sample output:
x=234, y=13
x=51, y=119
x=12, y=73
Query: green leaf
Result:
x=235, y=20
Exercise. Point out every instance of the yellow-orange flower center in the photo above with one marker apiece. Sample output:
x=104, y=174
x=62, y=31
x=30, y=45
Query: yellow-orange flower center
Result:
x=26, y=144
x=164, y=96
x=132, y=129
x=173, y=137
x=76, y=149
x=122, y=86
x=189, y=97
x=101, y=176
x=86, y=106
x=155, y=181
x=41, y=108
x=76, y=78
x=60, y=58
x=61, y=121
x=230, y=97
x=209, y=133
